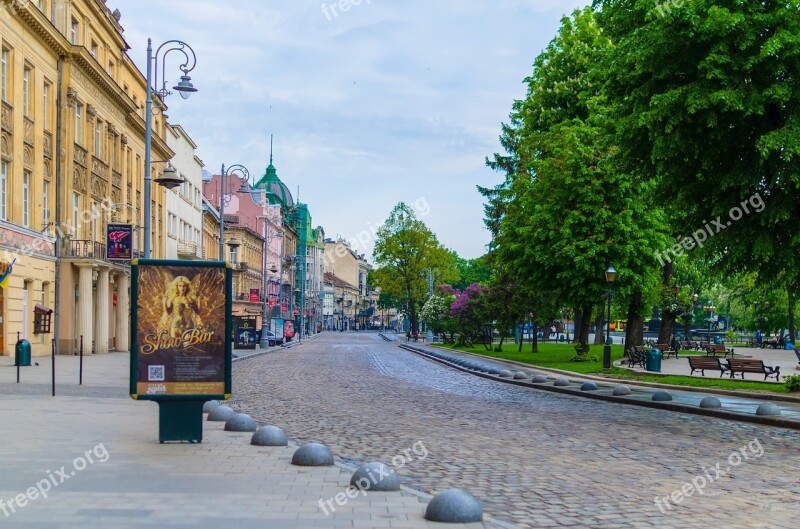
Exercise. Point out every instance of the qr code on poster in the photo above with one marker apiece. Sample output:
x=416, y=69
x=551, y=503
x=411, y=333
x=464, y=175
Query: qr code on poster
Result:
x=155, y=373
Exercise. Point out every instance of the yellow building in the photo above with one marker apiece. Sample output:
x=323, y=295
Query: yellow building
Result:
x=72, y=147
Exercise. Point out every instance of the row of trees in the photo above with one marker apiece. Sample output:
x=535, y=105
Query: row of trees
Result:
x=664, y=142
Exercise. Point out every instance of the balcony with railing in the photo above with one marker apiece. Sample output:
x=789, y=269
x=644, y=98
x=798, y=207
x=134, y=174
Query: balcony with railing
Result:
x=87, y=249
x=187, y=249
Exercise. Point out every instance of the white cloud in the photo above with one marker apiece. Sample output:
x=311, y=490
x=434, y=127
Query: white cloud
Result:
x=388, y=101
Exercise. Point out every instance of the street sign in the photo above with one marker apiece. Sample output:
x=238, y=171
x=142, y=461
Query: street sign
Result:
x=271, y=303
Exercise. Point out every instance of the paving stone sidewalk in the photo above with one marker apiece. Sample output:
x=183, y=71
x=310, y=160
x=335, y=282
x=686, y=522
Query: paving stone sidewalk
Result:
x=101, y=449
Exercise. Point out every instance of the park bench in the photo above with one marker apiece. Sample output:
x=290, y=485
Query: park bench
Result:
x=695, y=346
x=748, y=365
x=701, y=363
x=797, y=354
x=713, y=349
x=665, y=350
x=636, y=356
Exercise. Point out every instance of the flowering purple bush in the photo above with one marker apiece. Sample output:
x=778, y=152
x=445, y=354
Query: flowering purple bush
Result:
x=471, y=312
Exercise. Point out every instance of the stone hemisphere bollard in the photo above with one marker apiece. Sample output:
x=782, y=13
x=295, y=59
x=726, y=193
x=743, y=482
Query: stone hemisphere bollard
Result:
x=561, y=381
x=768, y=408
x=210, y=405
x=711, y=403
x=241, y=422
x=520, y=375
x=313, y=455
x=269, y=436
x=221, y=414
x=505, y=373
x=621, y=391
x=454, y=506
x=661, y=396
x=588, y=386
x=539, y=378
x=375, y=476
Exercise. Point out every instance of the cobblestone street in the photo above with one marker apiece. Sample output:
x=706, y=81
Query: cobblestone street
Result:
x=536, y=459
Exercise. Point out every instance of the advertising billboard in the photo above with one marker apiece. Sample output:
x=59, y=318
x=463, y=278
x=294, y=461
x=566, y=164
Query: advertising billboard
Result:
x=180, y=329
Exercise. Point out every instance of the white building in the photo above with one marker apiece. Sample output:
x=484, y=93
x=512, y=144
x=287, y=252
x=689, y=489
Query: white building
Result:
x=184, y=207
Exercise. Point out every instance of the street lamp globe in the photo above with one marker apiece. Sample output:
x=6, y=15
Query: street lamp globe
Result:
x=185, y=87
x=170, y=178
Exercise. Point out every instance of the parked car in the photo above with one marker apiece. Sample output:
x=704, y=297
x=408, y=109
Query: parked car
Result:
x=273, y=340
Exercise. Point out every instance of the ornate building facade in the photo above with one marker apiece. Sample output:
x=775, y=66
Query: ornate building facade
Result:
x=72, y=153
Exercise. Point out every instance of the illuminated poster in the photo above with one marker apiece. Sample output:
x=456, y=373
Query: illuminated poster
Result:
x=288, y=329
x=179, y=325
x=119, y=242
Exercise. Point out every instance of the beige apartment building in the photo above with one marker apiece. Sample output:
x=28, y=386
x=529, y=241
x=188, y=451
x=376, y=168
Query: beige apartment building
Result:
x=71, y=153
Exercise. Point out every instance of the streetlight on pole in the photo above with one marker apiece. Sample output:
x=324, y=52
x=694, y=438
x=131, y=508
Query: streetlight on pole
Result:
x=611, y=276
x=185, y=88
x=223, y=199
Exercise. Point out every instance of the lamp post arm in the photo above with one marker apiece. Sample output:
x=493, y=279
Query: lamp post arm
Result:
x=189, y=59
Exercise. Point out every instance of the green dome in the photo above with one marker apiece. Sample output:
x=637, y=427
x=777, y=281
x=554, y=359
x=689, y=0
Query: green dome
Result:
x=277, y=192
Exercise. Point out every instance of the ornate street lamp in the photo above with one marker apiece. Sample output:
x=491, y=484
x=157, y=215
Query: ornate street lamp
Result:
x=611, y=276
x=224, y=199
x=170, y=178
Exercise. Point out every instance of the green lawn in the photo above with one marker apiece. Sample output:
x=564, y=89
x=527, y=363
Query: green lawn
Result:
x=557, y=356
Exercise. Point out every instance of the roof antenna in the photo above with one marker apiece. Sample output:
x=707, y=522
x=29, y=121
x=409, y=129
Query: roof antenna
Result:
x=270, y=149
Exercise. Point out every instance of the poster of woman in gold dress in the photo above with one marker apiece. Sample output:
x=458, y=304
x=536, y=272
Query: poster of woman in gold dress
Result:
x=181, y=319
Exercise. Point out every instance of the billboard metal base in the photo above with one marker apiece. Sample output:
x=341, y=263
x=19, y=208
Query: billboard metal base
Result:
x=180, y=420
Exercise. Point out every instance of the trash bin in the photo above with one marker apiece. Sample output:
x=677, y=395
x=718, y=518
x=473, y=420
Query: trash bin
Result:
x=22, y=353
x=653, y=362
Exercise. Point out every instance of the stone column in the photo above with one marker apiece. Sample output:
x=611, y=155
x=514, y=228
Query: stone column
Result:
x=85, y=306
x=101, y=322
x=123, y=311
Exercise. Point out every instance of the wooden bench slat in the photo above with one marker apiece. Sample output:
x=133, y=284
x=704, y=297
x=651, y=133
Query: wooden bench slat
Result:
x=748, y=365
x=701, y=363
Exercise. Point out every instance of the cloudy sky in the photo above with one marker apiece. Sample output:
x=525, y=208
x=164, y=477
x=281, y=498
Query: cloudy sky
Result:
x=384, y=102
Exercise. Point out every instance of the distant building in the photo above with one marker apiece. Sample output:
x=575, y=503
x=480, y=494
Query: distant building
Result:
x=184, y=209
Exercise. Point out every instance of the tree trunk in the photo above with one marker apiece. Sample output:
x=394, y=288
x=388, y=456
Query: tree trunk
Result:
x=792, y=294
x=667, y=321
x=634, y=334
x=586, y=325
x=535, y=337
x=412, y=314
x=667, y=316
x=599, y=326
x=522, y=337
x=578, y=319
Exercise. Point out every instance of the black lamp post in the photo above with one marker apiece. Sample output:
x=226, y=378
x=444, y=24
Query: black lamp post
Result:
x=611, y=276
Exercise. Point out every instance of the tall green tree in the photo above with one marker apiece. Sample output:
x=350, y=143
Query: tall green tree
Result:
x=570, y=210
x=404, y=249
x=705, y=96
